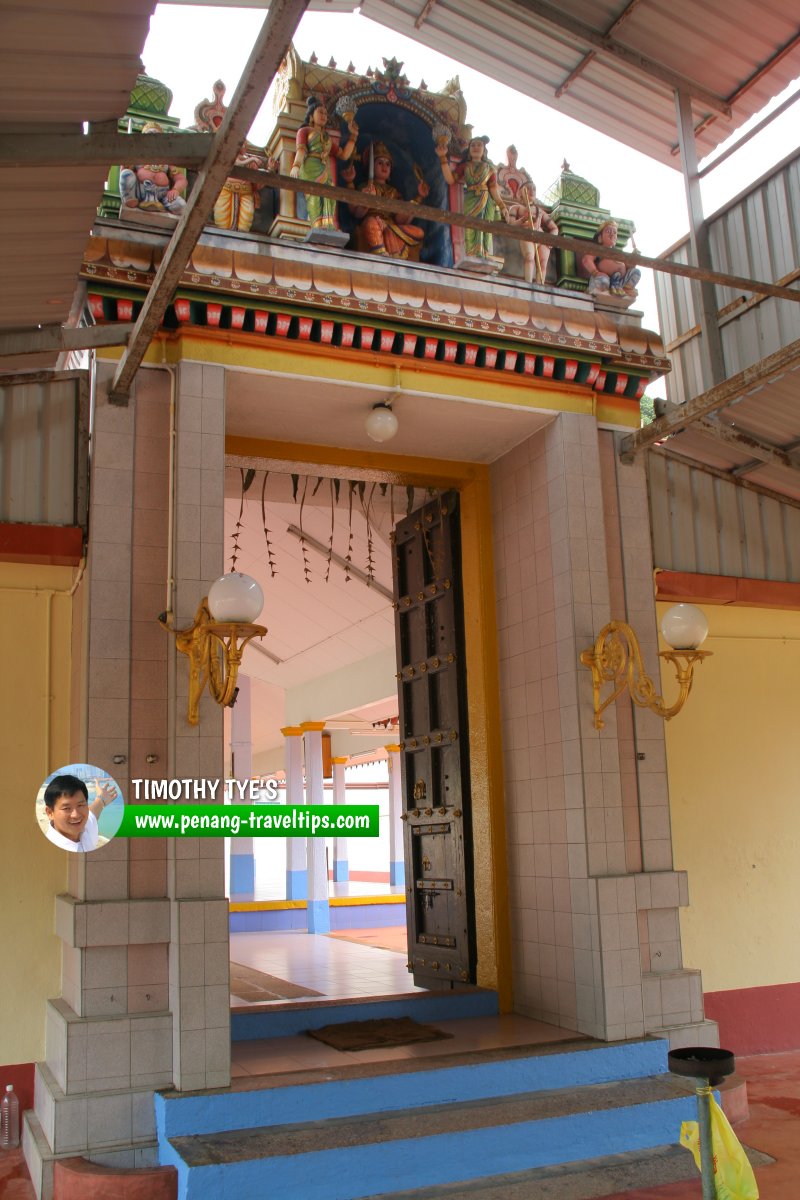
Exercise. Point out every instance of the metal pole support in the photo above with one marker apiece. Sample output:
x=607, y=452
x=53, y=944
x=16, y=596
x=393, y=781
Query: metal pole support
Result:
x=706, y=1143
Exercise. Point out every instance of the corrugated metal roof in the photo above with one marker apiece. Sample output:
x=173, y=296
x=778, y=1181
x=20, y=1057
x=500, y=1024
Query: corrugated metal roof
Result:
x=758, y=234
x=709, y=526
x=60, y=65
x=740, y=51
x=771, y=414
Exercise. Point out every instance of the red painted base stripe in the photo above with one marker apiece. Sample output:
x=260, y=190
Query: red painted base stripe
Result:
x=48, y=545
x=21, y=1076
x=760, y=1020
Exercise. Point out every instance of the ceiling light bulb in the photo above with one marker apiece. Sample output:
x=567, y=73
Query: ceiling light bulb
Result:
x=235, y=597
x=381, y=423
x=684, y=627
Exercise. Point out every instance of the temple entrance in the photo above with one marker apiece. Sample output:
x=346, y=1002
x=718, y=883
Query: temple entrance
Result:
x=321, y=546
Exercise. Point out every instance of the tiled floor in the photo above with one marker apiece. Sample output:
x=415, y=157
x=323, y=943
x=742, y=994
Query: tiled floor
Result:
x=340, y=970
x=278, y=1055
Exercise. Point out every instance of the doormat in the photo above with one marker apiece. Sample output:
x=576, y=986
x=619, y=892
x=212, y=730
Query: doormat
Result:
x=374, y=1035
x=255, y=986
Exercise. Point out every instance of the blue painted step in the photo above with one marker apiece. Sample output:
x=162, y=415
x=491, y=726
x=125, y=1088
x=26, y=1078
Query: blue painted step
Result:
x=405, y=1084
x=387, y=1127
x=346, y=1159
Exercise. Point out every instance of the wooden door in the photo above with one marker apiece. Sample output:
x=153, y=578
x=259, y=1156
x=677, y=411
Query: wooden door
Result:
x=431, y=673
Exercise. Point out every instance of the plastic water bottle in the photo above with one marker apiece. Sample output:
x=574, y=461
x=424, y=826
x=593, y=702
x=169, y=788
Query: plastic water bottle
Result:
x=9, y=1119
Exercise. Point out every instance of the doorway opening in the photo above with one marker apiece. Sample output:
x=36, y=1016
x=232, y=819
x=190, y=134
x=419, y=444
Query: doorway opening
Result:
x=319, y=543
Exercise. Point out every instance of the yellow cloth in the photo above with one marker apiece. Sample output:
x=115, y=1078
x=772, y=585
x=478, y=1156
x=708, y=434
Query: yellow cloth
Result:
x=733, y=1175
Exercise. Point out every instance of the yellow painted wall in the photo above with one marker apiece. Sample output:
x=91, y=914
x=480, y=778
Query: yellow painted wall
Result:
x=734, y=774
x=34, y=720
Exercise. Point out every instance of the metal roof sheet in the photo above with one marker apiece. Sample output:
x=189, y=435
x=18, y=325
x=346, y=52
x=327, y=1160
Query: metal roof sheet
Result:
x=61, y=64
x=770, y=413
x=742, y=52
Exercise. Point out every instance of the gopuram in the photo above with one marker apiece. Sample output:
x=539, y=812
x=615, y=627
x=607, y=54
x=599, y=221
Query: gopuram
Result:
x=295, y=265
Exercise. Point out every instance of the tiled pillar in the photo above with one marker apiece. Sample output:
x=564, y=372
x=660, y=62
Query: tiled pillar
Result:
x=672, y=994
x=243, y=863
x=319, y=914
x=576, y=882
x=199, y=977
x=397, y=865
x=108, y=1039
x=341, y=867
x=296, y=879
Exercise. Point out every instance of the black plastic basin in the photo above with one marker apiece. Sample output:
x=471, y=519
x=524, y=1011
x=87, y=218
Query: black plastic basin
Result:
x=702, y=1062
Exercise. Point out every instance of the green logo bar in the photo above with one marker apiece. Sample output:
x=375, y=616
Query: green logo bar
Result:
x=240, y=820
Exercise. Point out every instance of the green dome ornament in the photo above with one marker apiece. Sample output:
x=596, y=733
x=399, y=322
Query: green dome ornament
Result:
x=150, y=97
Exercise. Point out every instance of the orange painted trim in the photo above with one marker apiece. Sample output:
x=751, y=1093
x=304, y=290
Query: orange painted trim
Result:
x=42, y=545
x=726, y=589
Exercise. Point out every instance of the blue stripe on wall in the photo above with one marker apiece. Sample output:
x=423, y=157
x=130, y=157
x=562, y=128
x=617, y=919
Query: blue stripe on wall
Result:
x=346, y=916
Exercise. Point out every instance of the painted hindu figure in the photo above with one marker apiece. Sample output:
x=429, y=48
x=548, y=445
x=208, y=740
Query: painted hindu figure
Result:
x=235, y=206
x=238, y=201
x=527, y=212
x=607, y=275
x=482, y=196
x=384, y=233
x=315, y=158
x=153, y=187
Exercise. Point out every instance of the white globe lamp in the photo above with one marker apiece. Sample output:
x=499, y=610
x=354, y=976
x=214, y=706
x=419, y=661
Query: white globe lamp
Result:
x=684, y=627
x=381, y=424
x=235, y=597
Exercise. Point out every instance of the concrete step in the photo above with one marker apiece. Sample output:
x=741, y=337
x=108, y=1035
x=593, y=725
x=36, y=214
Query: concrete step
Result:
x=344, y=1158
x=589, y=1179
x=352, y=1091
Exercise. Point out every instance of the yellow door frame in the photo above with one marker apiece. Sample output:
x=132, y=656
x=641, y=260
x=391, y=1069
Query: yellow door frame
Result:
x=480, y=628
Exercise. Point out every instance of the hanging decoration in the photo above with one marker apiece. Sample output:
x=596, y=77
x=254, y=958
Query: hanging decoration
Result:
x=270, y=557
x=247, y=478
x=304, y=489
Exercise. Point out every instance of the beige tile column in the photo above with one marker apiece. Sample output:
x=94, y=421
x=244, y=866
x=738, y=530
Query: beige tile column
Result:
x=108, y=1036
x=199, y=974
x=567, y=562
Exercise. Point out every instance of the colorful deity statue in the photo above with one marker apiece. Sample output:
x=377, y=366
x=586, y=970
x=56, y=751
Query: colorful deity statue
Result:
x=482, y=196
x=236, y=205
x=528, y=213
x=315, y=160
x=607, y=275
x=384, y=233
x=153, y=187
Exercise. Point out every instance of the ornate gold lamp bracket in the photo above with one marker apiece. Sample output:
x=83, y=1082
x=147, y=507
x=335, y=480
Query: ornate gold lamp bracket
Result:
x=214, y=649
x=616, y=658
